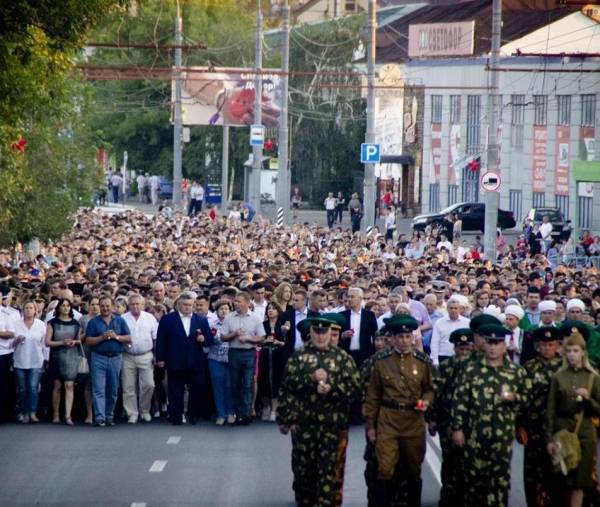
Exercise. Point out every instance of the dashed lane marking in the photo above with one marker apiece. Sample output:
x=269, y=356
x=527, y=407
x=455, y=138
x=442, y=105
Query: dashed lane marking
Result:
x=173, y=440
x=158, y=466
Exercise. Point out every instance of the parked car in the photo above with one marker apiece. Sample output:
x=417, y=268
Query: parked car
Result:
x=559, y=226
x=472, y=215
x=166, y=188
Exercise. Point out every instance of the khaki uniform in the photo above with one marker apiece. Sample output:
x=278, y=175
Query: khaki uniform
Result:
x=397, y=382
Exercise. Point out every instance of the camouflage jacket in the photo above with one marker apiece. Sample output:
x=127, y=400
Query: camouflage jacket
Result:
x=477, y=407
x=540, y=373
x=299, y=401
x=445, y=384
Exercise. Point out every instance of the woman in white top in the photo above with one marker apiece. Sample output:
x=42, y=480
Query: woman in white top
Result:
x=30, y=334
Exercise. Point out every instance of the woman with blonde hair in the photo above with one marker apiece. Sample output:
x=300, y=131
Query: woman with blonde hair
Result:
x=282, y=295
x=573, y=401
x=404, y=309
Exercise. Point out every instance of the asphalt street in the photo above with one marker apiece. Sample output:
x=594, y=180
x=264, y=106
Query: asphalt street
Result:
x=162, y=465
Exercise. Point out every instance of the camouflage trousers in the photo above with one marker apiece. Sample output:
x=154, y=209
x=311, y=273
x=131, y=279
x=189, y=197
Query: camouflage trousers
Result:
x=318, y=461
x=538, y=474
x=452, y=490
x=487, y=472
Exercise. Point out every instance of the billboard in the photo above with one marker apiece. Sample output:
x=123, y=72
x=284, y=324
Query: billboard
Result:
x=226, y=97
x=441, y=39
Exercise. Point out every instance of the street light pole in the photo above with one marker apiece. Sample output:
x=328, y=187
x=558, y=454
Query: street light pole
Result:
x=369, y=179
x=284, y=173
x=177, y=122
x=257, y=150
x=491, y=199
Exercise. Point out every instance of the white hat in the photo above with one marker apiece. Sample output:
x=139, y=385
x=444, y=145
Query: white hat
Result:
x=460, y=299
x=513, y=301
x=514, y=310
x=575, y=303
x=547, y=306
x=492, y=310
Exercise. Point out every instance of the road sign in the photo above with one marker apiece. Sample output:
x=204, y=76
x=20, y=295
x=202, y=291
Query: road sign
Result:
x=370, y=153
x=257, y=135
x=490, y=181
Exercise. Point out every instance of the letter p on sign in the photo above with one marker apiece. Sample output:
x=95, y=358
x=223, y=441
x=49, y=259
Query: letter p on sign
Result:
x=370, y=153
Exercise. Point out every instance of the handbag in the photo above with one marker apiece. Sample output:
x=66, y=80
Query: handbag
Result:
x=83, y=368
x=568, y=454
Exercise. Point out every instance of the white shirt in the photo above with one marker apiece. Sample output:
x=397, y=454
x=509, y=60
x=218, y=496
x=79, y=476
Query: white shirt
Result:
x=390, y=222
x=7, y=324
x=116, y=180
x=330, y=203
x=355, y=326
x=300, y=316
x=260, y=309
x=197, y=192
x=517, y=337
x=187, y=322
x=141, y=181
x=154, y=182
x=30, y=353
x=52, y=313
x=143, y=332
x=545, y=230
x=440, y=338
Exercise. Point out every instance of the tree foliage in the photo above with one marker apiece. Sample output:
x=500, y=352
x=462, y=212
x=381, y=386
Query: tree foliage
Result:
x=43, y=104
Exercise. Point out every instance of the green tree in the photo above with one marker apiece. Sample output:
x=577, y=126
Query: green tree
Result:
x=46, y=148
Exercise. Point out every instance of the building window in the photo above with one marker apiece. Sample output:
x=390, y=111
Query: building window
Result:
x=434, y=197
x=540, y=103
x=452, y=194
x=538, y=200
x=585, y=212
x=564, y=109
x=516, y=203
x=588, y=110
x=350, y=6
x=436, y=109
x=455, y=109
x=517, y=120
x=562, y=203
x=473, y=120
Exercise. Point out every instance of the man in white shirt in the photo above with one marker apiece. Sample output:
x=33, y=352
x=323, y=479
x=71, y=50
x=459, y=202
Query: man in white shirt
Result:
x=259, y=303
x=330, y=205
x=154, y=188
x=546, y=231
x=7, y=401
x=441, y=347
x=141, y=183
x=116, y=181
x=390, y=224
x=196, y=198
x=138, y=367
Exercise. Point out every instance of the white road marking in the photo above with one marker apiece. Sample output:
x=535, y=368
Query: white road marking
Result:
x=138, y=504
x=174, y=440
x=158, y=466
x=432, y=458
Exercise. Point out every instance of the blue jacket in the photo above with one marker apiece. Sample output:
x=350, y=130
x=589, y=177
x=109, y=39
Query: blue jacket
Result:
x=178, y=350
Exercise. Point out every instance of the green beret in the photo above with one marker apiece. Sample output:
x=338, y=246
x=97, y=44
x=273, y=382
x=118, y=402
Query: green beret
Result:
x=482, y=320
x=337, y=319
x=546, y=334
x=494, y=332
x=400, y=324
x=569, y=326
x=462, y=336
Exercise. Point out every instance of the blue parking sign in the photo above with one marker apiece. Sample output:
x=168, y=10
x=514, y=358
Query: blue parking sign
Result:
x=370, y=153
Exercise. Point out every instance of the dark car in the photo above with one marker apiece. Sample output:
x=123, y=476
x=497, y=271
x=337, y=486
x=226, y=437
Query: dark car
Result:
x=559, y=226
x=472, y=215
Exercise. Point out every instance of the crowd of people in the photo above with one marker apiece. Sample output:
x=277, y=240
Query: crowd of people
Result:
x=133, y=318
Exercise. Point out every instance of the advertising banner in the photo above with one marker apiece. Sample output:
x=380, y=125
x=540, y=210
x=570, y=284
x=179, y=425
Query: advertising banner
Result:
x=562, y=160
x=226, y=97
x=540, y=139
x=435, y=159
x=441, y=39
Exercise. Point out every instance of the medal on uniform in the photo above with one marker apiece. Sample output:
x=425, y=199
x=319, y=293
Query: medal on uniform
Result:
x=415, y=372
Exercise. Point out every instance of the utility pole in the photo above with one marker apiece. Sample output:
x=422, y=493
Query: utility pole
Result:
x=177, y=125
x=491, y=199
x=257, y=150
x=369, y=181
x=284, y=173
x=225, y=169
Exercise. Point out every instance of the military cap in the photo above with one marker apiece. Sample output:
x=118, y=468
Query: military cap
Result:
x=493, y=332
x=303, y=328
x=337, y=319
x=462, y=336
x=546, y=334
x=318, y=322
x=400, y=324
x=570, y=326
x=481, y=320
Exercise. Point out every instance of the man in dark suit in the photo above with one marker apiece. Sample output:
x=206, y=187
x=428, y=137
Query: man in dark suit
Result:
x=285, y=328
x=180, y=338
x=361, y=325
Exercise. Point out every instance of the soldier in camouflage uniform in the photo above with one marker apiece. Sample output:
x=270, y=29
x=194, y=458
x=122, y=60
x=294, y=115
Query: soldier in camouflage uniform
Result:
x=537, y=468
x=399, y=393
x=491, y=392
x=319, y=383
x=451, y=493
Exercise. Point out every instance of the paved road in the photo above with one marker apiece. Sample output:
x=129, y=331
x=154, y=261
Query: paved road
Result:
x=204, y=466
